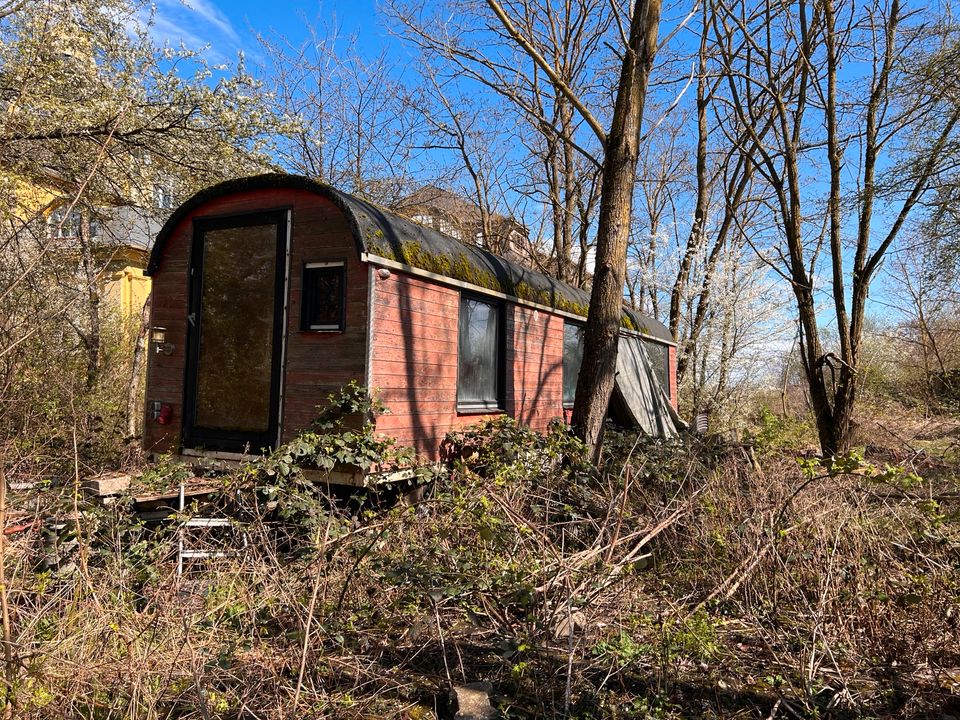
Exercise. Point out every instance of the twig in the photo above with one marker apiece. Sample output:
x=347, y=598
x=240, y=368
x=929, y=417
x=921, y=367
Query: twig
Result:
x=9, y=673
x=443, y=644
x=310, y=609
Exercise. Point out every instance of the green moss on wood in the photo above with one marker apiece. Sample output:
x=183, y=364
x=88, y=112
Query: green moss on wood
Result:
x=630, y=324
x=461, y=268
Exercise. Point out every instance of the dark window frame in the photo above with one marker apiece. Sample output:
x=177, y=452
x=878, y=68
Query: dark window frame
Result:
x=568, y=404
x=500, y=404
x=663, y=372
x=193, y=435
x=306, y=295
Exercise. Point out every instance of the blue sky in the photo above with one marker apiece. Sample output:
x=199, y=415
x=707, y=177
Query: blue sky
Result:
x=226, y=27
x=229, y=26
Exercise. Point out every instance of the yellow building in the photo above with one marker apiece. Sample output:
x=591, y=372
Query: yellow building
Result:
x=126, y=288
x=120, y=237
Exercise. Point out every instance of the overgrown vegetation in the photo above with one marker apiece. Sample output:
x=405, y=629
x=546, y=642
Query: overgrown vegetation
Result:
x=708, y=578
x=684, y=580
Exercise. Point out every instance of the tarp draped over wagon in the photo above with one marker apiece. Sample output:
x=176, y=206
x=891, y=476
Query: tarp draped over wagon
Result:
x=640, y=399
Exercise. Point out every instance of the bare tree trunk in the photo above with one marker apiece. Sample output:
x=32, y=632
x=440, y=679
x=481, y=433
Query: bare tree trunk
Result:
x=90, y=337
x=569, y=188
x=698, y=229
x=602, y=334
x=585, y=206
x=136, y=371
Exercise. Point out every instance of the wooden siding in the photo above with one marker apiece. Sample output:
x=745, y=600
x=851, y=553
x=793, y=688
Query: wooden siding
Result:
x=316, y=364
x=319, y=363
x=536, y=356
x=414, y=362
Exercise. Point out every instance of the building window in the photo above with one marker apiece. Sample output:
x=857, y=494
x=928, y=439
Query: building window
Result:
x=448, y=228
x=572, y=357
x=322, y=299
x=66, y=225
x=480, y=383
x=162, y=197
x=659, y=355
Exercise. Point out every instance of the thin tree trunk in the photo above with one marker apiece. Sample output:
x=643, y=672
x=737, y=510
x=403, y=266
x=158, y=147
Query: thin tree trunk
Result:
x=698, y=229
x=136, y=371
x=91, y=338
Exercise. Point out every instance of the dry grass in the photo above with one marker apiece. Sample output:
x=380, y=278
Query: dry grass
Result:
x=766, y=594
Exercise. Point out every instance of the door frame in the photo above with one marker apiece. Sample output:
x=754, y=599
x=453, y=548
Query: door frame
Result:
x=214, y=439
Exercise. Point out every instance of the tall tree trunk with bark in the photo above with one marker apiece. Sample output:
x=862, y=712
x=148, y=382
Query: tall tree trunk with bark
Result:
x=621, y=154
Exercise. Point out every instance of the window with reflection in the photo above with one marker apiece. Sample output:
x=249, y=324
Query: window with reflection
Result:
x=659, y=355
x=237, y=314
x=322, y=299
x=572, y=358
x=481, y=355
x=64, y=224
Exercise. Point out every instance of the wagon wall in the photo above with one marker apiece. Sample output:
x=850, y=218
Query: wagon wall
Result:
x=316, y=363
x=414, y=362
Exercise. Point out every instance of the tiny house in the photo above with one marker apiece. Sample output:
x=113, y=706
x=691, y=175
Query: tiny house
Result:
x=271, y=292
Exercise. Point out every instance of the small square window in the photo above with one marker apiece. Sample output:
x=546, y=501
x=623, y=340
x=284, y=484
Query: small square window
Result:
x=322, y=301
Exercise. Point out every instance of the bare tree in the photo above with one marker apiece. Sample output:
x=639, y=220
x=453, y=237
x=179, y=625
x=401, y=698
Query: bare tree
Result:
x=458, y=123
x=621, y=153
x=350, y=120
x=560, y=160
x=696, y=192
x=782, y=63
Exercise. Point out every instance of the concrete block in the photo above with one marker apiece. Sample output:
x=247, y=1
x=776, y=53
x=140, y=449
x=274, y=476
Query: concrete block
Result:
x=107, y=484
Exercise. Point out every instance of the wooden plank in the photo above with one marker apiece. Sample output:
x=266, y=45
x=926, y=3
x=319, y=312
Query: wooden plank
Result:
x=384, y=380
x=391, y=332
x=193, y=488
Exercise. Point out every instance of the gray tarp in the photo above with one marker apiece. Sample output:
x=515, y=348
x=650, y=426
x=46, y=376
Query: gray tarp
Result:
x=645, y=403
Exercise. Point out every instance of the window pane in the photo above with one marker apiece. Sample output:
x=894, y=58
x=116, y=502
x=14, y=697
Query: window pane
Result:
x=572, y=358
x=322, y=298
x=660, y=362
x=479, y=336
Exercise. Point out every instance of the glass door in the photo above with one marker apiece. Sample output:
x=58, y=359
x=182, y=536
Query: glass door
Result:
x=232, y=391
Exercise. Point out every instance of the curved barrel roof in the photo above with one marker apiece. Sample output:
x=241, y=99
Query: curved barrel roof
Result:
x=381, y=233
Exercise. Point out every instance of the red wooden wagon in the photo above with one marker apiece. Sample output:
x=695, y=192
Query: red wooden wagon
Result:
x=271, y=292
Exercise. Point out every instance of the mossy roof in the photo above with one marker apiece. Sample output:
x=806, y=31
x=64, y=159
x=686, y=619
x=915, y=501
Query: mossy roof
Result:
x=378, y=231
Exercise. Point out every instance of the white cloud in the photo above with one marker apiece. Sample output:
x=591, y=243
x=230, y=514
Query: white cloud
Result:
x=164, y=30
x=211, y=14
x=197, y=24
